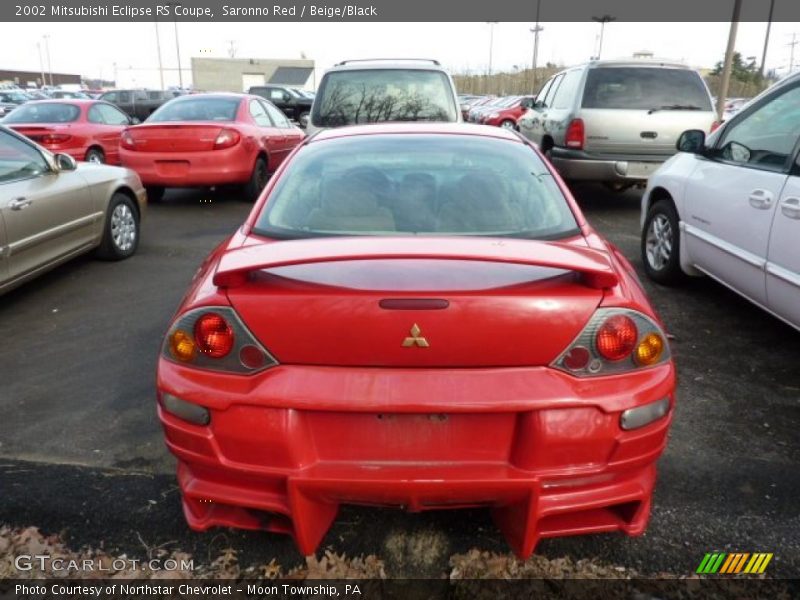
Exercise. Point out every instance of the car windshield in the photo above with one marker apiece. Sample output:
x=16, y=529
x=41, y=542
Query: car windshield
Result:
x=377, y=95
x=196, y=109
x=645, y=88
x=417, y=184
x=44, y=112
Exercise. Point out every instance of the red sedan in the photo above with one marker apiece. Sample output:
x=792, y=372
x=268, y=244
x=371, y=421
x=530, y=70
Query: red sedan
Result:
x=419, y=316
x=85, y=129
x=507, y=116
x=209, y=140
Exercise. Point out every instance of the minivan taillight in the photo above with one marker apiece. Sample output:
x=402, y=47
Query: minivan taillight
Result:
x=576, y=135
x=226, y=139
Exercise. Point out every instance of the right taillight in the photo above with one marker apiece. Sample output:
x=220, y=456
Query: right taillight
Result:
x=575, y=136
x=226, y=138
x=126, y=141
x=215, y=338
x=614, y=341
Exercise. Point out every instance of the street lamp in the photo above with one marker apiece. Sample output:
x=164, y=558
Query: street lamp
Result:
x=535, y=31
x=47, y=52
x=158, y=49
x=491, y=43
x=602, y=20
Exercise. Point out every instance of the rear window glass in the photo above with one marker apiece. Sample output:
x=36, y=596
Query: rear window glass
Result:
x=417, y=184
x=50, y=112
x=645, y=88
x=196, y=109
x=377, y=95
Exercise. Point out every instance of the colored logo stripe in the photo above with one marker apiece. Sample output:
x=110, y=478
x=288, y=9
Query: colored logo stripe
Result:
x=737, y=562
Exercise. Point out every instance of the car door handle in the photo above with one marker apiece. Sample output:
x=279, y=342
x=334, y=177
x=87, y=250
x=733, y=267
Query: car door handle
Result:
x=791, y=208
x=761, y=199
x=19, y=203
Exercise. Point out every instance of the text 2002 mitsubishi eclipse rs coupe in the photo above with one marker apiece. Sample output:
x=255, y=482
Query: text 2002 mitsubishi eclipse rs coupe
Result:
x=416, y=315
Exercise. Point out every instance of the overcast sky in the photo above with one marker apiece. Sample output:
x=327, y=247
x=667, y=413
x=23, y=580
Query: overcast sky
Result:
x=91, y=49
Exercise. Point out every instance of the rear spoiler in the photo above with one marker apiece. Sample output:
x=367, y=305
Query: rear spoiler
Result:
x=594, y=266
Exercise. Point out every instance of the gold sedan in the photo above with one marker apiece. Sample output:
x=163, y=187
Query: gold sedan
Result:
x=53, y=209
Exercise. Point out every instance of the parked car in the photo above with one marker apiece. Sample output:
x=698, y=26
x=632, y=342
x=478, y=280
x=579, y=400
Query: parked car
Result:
x=732, y=106
x=398, y=293
x=209, y=140
x=729, y=206
x=137, y=103
x=294, y=105
x=377, y=91
x=467, y=105
x=476, y=110
x=69, y=95
x=85, y=129
x=617, y=121
x=507, y=115
x=11, y=99
x=54, y=209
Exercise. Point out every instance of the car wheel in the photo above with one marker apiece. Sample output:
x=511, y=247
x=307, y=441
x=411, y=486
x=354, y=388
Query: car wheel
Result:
x=303, y=120
x=508, y=124
x=121, y=232
x=661, y=244
x=96, y=156
x=154, y=194
x=258, y=179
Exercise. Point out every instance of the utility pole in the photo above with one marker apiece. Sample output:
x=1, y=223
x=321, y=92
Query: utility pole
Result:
x=535, y=31
x=41, y=62
x=232, y=48
x=602, y=20
x=158, y=49
x=766, y=40
x=793, y=43
x=47, y=51
x=491, y=43
x=726, y=69
x=178, y=50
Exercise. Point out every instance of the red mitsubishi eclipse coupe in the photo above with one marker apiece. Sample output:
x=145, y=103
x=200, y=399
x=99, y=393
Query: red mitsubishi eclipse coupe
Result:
x=416, y=315
x=85, y=129
x=207, y=140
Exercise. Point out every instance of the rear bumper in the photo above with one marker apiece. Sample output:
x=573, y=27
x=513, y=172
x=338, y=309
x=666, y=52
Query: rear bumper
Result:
x=188, y=169
x=542, y=450
x=580, y=166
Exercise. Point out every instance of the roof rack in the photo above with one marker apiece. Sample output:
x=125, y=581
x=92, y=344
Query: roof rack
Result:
x=352, y=60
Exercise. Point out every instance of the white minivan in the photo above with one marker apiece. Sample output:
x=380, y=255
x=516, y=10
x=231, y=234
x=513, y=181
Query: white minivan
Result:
x=381, y=90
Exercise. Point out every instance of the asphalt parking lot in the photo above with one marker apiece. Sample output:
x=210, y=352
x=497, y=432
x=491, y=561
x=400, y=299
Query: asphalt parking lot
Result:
x=81, y=451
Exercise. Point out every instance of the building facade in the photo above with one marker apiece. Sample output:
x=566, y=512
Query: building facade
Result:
x=240, y=74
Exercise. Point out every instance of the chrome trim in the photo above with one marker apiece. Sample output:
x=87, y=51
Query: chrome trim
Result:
x=785, y=274
x=54, y=232
x=743, y=255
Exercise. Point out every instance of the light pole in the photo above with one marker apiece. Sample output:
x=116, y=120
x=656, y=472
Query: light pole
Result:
x=535, y=31
x=728, y=64
x=178, y=50
x=158, y=49
x=602, y=20
x=47, y=51
x=766, y=40
x=491, y=43
x=41, y=62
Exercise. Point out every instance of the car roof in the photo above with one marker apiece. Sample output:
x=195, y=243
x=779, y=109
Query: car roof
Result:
x=638, y=62
x=415, y=127
x=412, y=64
x=75, y=101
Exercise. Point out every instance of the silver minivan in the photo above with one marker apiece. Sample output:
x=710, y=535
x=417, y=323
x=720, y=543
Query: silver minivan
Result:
x=616, y=121
x=354, y=92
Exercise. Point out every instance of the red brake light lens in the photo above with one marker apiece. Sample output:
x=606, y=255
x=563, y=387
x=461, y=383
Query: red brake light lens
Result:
x=54, y=138
x=575, y=135
x=126, y=140
x=226, y=139
x=616, y=337
x=213, y=335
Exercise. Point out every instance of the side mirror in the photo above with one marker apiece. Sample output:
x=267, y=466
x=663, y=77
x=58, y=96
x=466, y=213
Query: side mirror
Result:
x=134, y=120
x=693, y=141
x=527, y=103
x=64, y=162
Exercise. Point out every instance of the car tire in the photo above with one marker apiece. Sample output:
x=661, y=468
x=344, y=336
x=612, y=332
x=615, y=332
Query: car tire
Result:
x=95, y=155
x=660, y=244
x=258, y=179
x=302, y=120
x=154, y=194
x=121, y=229
x=508, y=124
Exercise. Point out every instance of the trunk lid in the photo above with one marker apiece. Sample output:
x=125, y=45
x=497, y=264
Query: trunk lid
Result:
x=39, y=133
x=397, y=303
x=175, y=137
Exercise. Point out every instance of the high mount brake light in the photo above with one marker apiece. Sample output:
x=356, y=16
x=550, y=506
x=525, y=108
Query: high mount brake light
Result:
x=615, y=340
x=214, y=338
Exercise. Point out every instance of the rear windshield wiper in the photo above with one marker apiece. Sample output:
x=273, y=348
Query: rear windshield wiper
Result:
x=675, y=107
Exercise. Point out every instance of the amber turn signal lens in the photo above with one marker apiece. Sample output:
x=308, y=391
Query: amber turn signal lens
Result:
x=650, y=349
x=182, y=346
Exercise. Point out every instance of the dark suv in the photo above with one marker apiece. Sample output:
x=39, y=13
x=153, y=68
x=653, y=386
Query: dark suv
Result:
x=293, y=104
x=138, y=103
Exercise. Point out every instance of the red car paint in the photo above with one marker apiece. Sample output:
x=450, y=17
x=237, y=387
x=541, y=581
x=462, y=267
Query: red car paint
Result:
x=77, y=137
x=482, y=417
x=183, y=153
x=512, y=113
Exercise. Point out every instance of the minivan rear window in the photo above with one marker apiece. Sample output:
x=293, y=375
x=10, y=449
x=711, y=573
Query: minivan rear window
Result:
x=378, y=95
x=645, y=88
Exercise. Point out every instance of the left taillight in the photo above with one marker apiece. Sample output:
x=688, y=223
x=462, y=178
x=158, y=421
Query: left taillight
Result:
x=126, y=141
x=226, y=138
x=52, y=139
x=215, y=338
x=575, y=136
x=614, y=341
